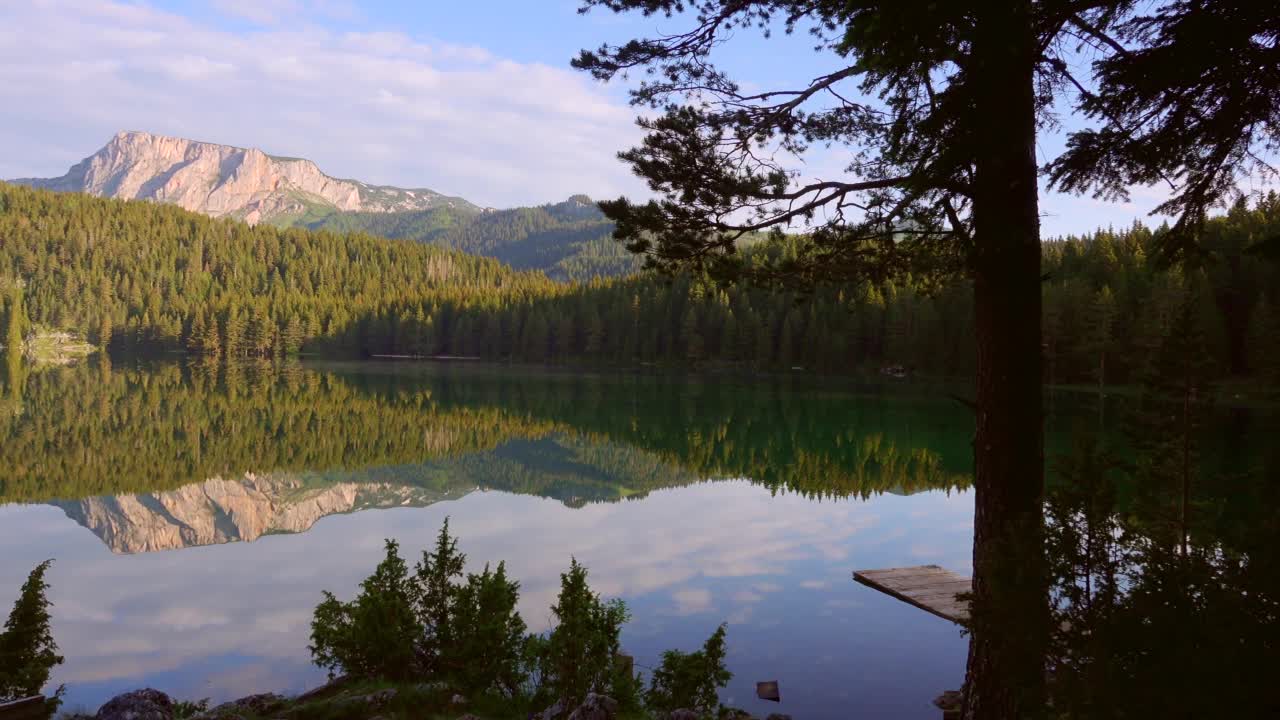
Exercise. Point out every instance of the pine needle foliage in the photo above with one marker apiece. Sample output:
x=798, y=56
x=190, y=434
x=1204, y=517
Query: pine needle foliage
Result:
x=28, y=652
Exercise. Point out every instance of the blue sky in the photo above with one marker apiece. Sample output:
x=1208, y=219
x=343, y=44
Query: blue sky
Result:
x=469, y=98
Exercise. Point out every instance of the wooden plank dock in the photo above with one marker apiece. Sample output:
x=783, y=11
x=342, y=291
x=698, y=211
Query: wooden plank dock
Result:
x=30, y=708
x=928, y=587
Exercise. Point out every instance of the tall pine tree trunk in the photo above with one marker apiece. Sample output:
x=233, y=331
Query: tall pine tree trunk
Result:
x=1005, y=674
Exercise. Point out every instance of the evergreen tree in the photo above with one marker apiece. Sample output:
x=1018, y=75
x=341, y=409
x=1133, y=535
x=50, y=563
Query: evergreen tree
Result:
x=691, y=336
x=209, y=339
x=196, y=338
x=14, y=320
x=234, y=342
x=1177, y=393
x=581, y=648
x=436, y=598
x=489, y=645
x=593, y=333
x=1101, y=328
x=374, y=636
x=691, y=680
x=28, y=652
x=1264, y=343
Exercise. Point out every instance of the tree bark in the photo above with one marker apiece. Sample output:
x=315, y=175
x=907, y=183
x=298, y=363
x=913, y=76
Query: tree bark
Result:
x=1009, y=611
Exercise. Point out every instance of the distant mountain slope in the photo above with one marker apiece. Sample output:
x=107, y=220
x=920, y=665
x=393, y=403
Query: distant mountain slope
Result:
x=222, y=180
x=570, y=240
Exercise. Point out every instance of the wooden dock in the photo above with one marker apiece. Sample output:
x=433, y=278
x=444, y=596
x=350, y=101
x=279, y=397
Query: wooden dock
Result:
x=31, y=708
x=928, y=587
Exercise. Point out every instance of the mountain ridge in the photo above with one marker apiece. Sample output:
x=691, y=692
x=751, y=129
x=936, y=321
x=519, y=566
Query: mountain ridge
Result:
x=228, y=180
x=567, y=240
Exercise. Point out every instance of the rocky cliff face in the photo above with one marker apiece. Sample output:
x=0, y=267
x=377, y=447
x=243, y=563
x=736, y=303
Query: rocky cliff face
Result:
x=221, y=180
x=221, y=511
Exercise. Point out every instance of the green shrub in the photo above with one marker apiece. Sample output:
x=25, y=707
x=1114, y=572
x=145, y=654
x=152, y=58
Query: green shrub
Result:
x=690, y=680
x=580, y=652
x=183, y=709
x=435, y=598
x=488, y=634
x=377, y=634
x=404, y=627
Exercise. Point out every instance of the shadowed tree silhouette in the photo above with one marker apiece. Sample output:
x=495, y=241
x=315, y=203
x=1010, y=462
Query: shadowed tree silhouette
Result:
x=28, y=652
x=938, y=106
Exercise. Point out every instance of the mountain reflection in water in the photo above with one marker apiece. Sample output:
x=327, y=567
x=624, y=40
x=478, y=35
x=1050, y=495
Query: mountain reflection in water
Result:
x=698, y=500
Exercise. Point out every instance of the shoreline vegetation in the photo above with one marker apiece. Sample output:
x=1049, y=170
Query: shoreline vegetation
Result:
x=140, y=278
x=425, y=642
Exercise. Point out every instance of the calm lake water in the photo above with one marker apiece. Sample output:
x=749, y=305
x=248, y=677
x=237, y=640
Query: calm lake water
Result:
x=196, y=514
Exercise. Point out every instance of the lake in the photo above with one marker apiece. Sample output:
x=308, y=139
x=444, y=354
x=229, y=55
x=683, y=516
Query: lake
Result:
x=195, y=513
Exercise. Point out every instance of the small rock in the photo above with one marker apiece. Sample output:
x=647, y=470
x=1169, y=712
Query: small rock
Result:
x=736, y=714
x=949, y=700
x=145, y=704
x=457, y=700
x=595, y=707
x=368, y=702
x=261, y=704
x=768, y=690
x=551, y=713
x=325, y=690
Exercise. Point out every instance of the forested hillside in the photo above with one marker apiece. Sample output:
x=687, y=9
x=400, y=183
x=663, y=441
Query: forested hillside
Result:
x=146, y=277
x=571, y=240
x=1108, y=304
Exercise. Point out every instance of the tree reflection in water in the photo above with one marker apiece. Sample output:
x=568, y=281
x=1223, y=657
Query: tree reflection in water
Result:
x=1165, y=580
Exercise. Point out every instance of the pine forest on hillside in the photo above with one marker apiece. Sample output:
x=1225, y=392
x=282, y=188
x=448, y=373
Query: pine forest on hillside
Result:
x=145, y=278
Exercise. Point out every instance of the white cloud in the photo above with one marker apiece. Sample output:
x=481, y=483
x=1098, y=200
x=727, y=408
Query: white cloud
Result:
x=377, y=106
x=691, y=601
x=272, y=12
x=258, y=11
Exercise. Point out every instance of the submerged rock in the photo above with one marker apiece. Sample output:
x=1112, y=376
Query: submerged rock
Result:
x=144, y=704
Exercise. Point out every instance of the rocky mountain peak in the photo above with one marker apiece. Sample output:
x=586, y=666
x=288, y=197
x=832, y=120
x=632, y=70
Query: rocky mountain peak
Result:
x=237, y=509
x=225, y=180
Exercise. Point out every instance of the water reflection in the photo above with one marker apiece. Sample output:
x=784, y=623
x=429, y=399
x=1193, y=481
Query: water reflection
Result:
x=698, y=502
x=222, y=620
x=1166, y=585
x=219, y=502
x=143, y=430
